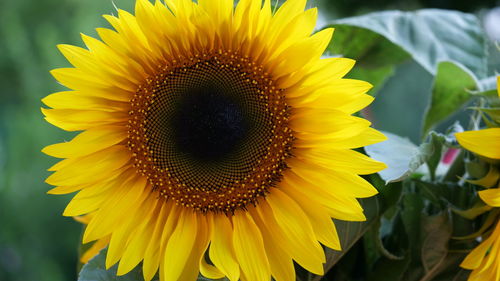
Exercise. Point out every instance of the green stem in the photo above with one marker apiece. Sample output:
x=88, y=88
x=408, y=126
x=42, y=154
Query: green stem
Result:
x=456, y=169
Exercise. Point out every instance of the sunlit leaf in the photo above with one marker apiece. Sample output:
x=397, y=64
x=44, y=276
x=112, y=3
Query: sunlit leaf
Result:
x=401, y=156
x=429, y=36
x=451, y=90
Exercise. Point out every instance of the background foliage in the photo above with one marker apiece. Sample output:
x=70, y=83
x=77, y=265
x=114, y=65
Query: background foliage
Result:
x=37, y=243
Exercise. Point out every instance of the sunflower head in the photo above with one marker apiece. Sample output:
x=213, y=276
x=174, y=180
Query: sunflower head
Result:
x=211, y=132
x=212, y=138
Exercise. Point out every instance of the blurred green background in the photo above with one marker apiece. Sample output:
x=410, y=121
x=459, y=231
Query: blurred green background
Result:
x=36, y=242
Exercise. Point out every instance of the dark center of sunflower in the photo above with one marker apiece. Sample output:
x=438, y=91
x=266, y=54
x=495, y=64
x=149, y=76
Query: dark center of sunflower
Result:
x=210, y=132
x=208, y=123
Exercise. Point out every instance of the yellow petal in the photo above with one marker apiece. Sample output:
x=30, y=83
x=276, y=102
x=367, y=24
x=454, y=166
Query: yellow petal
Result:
x=339, y=207
x=196, y=259
x=280, y=261
x=122, y=234
x=91, y=168
x=498, y=85
x=209, y=270
x=127, y=198
x=180, y=245
x=64, y=189
x=324, y=122
x=323, y=226
x=164, y=227
x=298, y=250
x=220, y=11
x=475, y=258
x=328, y=69
x=289, y=30
x=336, y=182
x=139, y=240
x=249, y=248
x=84, y=61
x=76, y=79
x=88, y=142
x=362, y=137
x=490, y=179
x=483, y=142
x=295, y=223
x=301, y=53
x=349, y=105
x=341, y=160
x=94, y=249
x=284, y=18
x=221, y=247
x=85, y=219
x=79, y=101
x=110, y=57
x=491, y=196
x=77, y=120
x=77, y=207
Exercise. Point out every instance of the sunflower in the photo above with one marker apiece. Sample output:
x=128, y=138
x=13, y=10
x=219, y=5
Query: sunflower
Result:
x=484, y=260
x=213, y=139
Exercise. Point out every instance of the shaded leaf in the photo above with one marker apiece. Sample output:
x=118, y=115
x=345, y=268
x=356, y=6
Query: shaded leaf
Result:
x=491, y=219
x=450, y=269
x=477, y=169
x=452, y=86
x=411, y=215
x=370, y=52
x=437, y=232
x=492, y=112
x=390, y=270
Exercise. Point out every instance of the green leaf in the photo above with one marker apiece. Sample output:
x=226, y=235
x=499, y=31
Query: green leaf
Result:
x=429, y=36
x=436, y=142
x=389, y=194
x=411, y=215
x=95, y=270
x=450, y=269
x=389, y=270
x=452, y=86
x=401, y=156
x=477, y=169
x=493, y=112
x=375, y=240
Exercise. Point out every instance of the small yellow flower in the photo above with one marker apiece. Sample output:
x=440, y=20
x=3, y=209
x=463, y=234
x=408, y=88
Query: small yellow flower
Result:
x=484, y=260
x=211, y=131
